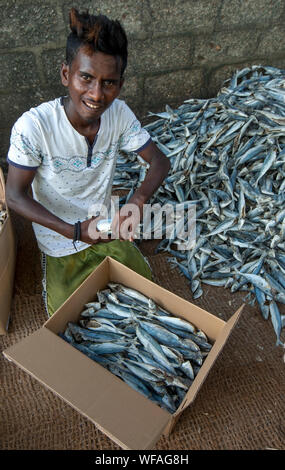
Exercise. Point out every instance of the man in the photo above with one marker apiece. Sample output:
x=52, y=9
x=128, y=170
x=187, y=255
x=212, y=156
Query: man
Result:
x=66, y=149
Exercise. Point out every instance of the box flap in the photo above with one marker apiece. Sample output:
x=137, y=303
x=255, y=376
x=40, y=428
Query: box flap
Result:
x=126, y=416
x=2, y=186
x=6, y=294
x=211, y=358
x=7, y=243
x=7, y=263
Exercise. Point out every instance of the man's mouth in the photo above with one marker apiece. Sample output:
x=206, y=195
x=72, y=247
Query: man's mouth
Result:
x=92, y=105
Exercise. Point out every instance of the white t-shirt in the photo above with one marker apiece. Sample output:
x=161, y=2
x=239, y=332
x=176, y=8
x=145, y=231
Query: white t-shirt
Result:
x=71, y=175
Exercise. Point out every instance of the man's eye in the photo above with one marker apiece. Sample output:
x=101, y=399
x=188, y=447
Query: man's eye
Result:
x=108, y=83
x=85, y=77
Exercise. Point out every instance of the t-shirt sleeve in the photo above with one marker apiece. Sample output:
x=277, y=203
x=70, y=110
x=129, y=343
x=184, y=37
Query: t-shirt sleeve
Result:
x=134, y=137
x=25, y=144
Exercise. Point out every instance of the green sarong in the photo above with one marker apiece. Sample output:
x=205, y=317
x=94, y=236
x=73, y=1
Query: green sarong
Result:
x=63, y=275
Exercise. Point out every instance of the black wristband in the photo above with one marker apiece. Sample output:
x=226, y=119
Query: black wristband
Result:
x=77, y=233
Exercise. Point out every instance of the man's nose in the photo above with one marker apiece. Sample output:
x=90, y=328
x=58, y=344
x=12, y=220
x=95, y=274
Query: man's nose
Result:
x=96, y=91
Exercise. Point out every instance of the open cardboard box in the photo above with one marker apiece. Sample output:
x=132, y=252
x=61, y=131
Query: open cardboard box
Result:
x=123, y=414
x=7, y=262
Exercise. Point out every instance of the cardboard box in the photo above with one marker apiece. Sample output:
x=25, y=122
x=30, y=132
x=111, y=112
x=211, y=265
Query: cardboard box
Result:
x=7, y=262
x=124, y=415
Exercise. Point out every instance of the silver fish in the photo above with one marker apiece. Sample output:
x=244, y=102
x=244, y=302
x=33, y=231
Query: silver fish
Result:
x=104, y=225
x=176, y=322
x=139, y=297
x=164, y=336
x=154, y=348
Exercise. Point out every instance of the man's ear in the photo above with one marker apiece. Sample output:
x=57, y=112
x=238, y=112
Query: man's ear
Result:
x=64, y=74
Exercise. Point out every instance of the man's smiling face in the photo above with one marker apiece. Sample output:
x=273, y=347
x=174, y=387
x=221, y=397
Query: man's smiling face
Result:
x=94, y=81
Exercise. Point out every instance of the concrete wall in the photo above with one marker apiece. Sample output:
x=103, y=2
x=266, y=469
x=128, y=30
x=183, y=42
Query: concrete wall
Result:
x=178, y=49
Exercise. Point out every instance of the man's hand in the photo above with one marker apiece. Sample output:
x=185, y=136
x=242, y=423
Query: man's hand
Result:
x=90, y=234
x=125, y=222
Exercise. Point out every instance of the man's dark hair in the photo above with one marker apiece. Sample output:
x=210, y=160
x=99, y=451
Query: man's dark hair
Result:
x=98, y=32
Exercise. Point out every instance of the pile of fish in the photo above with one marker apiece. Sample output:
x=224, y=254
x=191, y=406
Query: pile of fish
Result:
x=227, y=155
x=154, y=352
x=3, y=215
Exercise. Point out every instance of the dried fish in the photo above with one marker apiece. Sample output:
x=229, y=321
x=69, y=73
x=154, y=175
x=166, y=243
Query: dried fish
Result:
x=227, y=155
x=139, y=346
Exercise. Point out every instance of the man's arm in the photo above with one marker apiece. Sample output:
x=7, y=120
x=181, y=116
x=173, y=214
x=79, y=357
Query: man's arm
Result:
x=18, y=199
x=159, y=166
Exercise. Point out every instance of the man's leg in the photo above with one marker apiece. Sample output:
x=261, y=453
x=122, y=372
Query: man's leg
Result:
x=63, y=275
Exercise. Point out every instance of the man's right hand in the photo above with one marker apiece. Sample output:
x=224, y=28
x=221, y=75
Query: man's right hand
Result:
x=90, y=234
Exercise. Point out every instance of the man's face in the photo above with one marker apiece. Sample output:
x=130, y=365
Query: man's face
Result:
x=94, y=81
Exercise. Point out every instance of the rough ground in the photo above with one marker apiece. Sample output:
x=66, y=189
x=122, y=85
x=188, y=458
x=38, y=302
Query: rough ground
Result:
x=239, y=407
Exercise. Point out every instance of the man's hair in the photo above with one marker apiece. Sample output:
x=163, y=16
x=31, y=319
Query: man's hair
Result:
x=99, y=33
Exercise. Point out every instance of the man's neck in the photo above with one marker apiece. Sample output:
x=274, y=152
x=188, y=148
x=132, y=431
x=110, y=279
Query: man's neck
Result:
x=85, y=128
